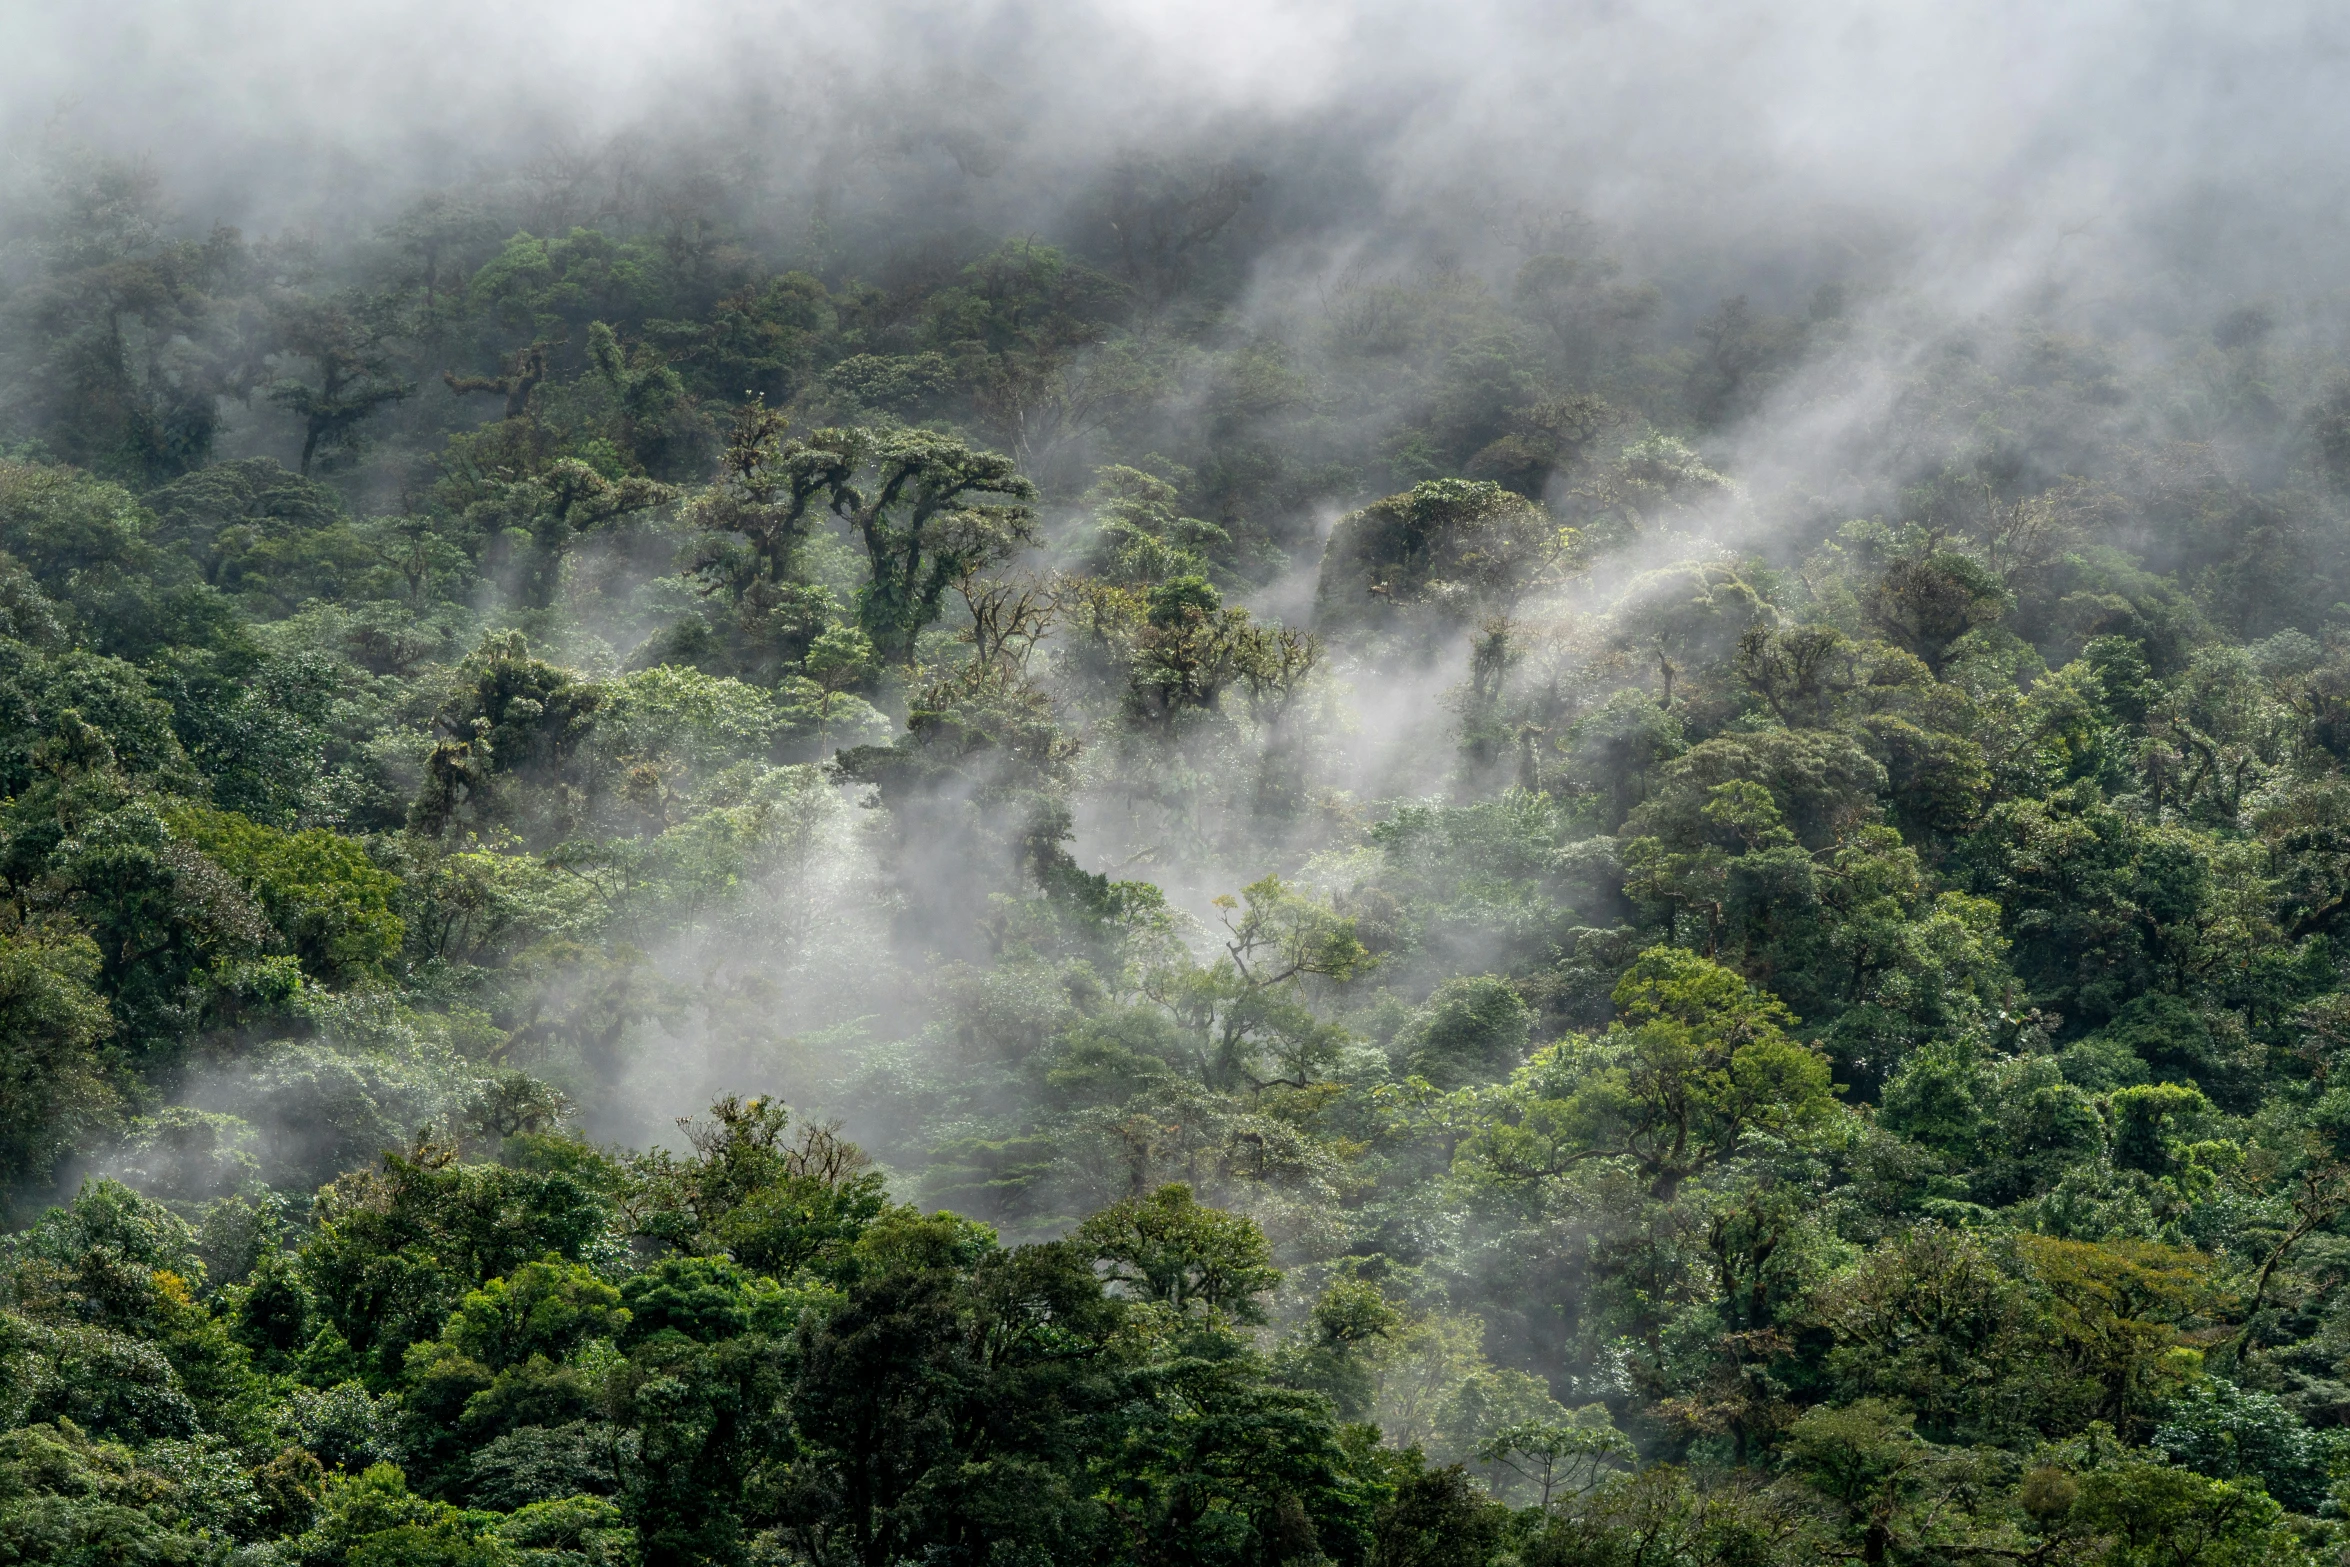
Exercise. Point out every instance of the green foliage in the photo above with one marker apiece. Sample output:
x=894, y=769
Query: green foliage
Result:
x=2223, y=1431
x=1752, y=1029
x=928, y=510
x=399, y=1248
x=372, y=1519
x=542, y=1308
x=2157, y=1514
x=69, y=1500
x=58, y=1090
x=1473, y=1028
x=1167, y=1248
x=268, y=538
x=1450, y=549
x=1926, y=604
x=326, y=898
x=1698, y=1067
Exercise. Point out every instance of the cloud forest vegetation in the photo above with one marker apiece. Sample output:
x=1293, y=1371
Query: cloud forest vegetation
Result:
x=673, y=896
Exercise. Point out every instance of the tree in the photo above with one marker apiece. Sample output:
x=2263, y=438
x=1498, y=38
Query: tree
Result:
x=73, y=1499
x=1930, y=1324
x=515, y=720
x=782, y=1206
x=2157, y=1516
x=516, y=379
x=929, y=511
x=331, y=905
x=400, y=1247
x=1925, y=602
x=1168, y=1248
x=1737, y=349
x=1182, y=649
x=133, y=333
x=1140, y=540
x=1560, y=1459
x=2117, y=1312
x=258, y=532
x=2218, y=1429
x=1664, y=1513
x=768, y=486
x=175, y=934
x=1473, y=1028
x=1161, y=217
x=952, y=1402
x=1436, y=1519
x=1454, y=548
x=1211, y=1453
x=347, y=345
x=55, y=1091
x=1248, y=1006
x=1698, y=1067
x=1868, y=1463
x=1574, y=296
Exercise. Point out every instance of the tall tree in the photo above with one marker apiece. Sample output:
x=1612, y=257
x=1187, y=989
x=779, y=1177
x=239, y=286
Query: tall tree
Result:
x=347, y=343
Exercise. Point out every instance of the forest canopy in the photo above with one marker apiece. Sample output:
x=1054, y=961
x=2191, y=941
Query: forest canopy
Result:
x=693, y=877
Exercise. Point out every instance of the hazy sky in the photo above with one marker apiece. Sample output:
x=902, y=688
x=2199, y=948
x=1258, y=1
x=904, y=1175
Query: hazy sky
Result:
x=1980, y=131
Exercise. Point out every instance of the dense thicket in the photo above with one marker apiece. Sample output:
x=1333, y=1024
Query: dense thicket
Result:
x=1419, y=973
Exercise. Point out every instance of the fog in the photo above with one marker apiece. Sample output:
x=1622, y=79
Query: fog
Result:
x=2115, y=151
x=1950, y=171
x=1664, y=338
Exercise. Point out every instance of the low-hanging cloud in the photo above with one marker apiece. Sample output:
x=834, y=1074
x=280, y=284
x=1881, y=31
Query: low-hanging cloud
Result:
x=1986, y=146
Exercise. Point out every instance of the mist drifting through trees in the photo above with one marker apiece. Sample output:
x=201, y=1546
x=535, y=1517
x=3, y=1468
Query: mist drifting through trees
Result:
x=1474, y=786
